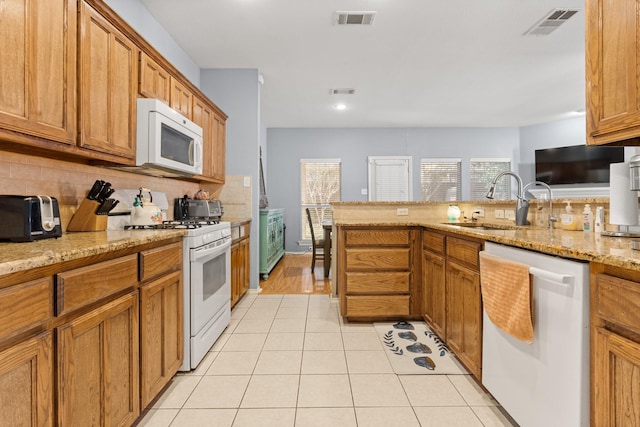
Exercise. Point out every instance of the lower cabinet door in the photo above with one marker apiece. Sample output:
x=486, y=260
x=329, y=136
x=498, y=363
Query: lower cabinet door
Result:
x=161, y=332
x=26, y=382
x=435, y=304
x=98, y=366
x=616, y=380
x=464, y=316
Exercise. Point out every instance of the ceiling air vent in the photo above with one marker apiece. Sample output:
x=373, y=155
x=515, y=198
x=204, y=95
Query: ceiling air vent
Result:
x=550, y=22
x=355, y=18
x=343, y=91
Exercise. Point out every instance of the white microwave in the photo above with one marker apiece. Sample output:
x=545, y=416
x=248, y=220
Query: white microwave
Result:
x=167, y=141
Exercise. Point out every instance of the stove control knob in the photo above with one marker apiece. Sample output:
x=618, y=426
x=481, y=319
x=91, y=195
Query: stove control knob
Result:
x=207, y=238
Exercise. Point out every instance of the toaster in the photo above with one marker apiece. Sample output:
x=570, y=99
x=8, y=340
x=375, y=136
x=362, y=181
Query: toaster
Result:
x=29, y=218
x=192, y=209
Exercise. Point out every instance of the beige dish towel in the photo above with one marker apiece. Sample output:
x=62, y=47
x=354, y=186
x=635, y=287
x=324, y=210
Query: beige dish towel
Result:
x=506, y=295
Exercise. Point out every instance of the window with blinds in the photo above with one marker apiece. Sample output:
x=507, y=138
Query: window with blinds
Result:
x=440, y=179
x=483, y=172
x=390, y=178
x=320, y=185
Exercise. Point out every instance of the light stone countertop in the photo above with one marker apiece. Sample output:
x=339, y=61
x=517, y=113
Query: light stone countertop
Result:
x=579, y=245
x=28, y=255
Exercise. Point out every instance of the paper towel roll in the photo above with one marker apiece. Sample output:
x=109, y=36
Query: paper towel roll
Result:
x=623, y=203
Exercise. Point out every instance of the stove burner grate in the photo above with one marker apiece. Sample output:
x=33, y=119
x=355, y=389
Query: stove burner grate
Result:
x=174, y=224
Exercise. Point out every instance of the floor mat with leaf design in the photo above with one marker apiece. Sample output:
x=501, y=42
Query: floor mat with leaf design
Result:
x=412, y=348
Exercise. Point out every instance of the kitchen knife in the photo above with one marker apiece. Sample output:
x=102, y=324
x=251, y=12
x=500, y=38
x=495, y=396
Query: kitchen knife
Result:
x=107, y=206
x=105, y=192
x=95, y=190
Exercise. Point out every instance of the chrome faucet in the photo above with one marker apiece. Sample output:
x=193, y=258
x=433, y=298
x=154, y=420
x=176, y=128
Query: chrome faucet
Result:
x=551, y=218
x=522, y=204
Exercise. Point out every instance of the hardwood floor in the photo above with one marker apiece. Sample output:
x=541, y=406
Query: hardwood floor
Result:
x=292, y=275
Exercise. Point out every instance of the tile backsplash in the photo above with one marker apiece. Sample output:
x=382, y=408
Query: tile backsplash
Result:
x=70, y=182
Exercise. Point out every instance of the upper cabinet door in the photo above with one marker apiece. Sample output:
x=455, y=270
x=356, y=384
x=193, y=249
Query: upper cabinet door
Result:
x=613, y=71
x=214, y=139
x=181, y=98
x=38, y=68
x=154, y=80
x=108, y=86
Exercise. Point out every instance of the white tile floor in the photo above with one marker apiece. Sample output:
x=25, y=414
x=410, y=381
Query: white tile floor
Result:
x=290, y=360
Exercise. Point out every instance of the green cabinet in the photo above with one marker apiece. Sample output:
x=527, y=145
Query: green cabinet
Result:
x=271, y=239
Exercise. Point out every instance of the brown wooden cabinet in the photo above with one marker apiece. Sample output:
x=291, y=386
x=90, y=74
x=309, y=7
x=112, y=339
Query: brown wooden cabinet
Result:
x=376, y=269
x=213, y=125
x=108, y=86
x=85, y=341
x=161, y=332
x=98, y=377
x=433, y=281
x=161, y=319
x=615, y=346
x=38, y=68
x=155, y=81
x=26, y=383
x=613, y=71
x=464, y=302
x=181, y=98
x=240, y=260
x=218, y=149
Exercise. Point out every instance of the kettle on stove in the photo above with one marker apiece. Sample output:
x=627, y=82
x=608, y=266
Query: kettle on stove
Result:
x=144, y=212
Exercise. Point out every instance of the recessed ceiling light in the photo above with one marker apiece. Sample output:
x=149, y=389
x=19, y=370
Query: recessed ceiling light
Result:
x=340, y=107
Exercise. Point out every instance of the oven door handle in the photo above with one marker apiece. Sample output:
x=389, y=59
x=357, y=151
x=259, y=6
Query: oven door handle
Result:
x=210, y=251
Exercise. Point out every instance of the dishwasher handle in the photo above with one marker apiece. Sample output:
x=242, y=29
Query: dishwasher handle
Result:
x=564, y=279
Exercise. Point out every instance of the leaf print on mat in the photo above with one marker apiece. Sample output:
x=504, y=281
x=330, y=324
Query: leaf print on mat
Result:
x=425, y=362
x=441, y=345
x=418, y=347
x=389, y=342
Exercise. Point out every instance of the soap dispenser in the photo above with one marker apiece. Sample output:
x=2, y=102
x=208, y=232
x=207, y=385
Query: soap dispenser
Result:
x=568, y=219
x=587, y=218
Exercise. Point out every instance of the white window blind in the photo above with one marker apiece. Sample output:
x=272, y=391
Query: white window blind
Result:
x=390, y=178
x=440, y=179
x=320, y=184
x=483, y=172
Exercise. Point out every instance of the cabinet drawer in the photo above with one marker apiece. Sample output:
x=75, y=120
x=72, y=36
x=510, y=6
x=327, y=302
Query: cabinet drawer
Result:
x=464, y=251
x=377, y=283
x=376, y=237
x=25, y=305
x=160, y=260
x=433, y=242
x=618, y=301
x=377, y=259
x=85, y=285
x=377, y=306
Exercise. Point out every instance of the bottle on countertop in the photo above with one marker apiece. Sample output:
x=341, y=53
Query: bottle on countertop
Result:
x=587, y=218
x=599, y=220
x=568, y=220
x=453, y=213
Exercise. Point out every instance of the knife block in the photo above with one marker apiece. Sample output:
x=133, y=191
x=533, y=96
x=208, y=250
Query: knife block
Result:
x=85, y=218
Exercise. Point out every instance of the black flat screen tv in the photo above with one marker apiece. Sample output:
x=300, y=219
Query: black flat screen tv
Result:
x=578, y=164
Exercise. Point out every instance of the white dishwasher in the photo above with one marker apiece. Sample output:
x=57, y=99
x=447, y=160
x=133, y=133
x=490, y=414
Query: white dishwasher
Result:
x=545, y=383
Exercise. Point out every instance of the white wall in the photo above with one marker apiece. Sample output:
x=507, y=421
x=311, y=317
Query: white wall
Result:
x=237, y=93
x=138, y=16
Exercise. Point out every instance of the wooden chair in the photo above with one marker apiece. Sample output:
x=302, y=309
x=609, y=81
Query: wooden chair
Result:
x=317, y=245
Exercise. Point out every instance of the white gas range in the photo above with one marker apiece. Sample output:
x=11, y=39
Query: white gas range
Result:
x=207, y=289
x=206, y=257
